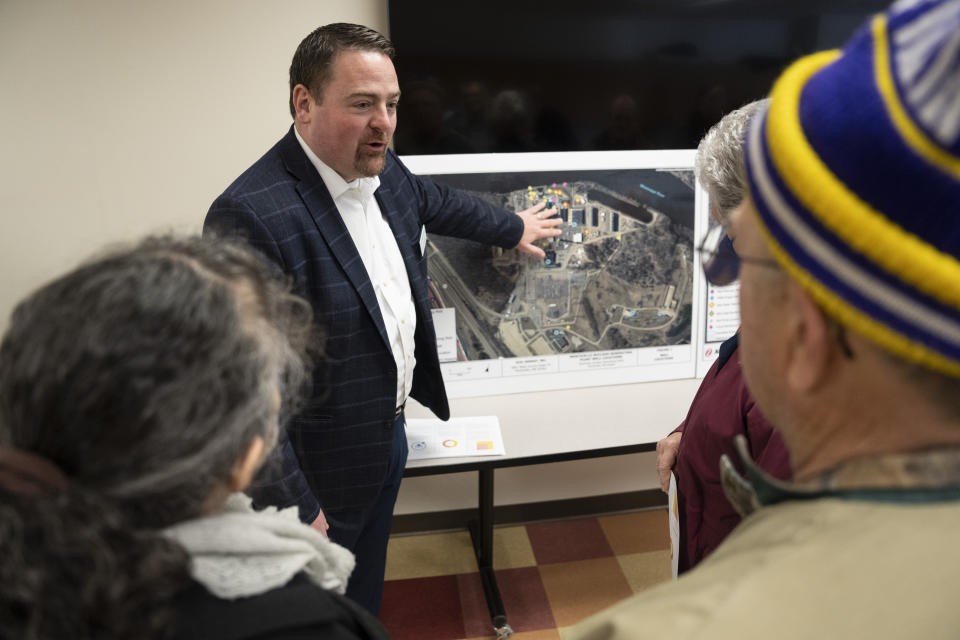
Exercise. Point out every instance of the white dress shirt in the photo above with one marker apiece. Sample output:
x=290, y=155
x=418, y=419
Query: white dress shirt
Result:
x=381, y=257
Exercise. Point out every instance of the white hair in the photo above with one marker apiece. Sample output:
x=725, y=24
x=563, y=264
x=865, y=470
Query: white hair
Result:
x=719, y=163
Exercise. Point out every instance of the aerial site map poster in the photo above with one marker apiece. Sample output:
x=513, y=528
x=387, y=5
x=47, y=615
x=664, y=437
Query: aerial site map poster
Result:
x=612, y=302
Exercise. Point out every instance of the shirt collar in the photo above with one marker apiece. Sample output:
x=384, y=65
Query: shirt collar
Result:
x=910, y=476
x=726, y=349
x=336, y=185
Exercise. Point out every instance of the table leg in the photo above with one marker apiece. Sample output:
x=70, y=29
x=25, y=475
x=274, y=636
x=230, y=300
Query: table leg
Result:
x=482, y=535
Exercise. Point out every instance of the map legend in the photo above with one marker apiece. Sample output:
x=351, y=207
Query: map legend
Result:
x=723, y=312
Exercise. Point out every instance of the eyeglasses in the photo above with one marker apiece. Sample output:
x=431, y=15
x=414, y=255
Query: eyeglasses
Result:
x=721, y=264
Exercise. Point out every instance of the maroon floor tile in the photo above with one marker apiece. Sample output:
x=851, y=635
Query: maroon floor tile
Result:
x=537, y=599
x=421, y=608
x=476, y=616
x=524, y=598
x=568, y=541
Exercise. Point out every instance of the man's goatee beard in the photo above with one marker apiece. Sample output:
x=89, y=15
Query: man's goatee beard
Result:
x=370, y=166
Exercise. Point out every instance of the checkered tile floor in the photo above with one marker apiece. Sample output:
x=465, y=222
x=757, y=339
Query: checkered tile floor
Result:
x=551, y=576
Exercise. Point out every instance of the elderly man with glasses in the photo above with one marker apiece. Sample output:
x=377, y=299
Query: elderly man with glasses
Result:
x=851, y=347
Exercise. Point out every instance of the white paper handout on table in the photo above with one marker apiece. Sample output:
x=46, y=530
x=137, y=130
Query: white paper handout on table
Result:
x=473, y=436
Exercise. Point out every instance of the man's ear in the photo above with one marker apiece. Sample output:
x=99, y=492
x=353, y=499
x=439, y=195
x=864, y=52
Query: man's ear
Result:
x=810, y=349
x=243, y=470
x=301, y=102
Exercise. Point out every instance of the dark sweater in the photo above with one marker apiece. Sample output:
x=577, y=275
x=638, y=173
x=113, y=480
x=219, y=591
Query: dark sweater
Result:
x=722, y=409
x=300, y=610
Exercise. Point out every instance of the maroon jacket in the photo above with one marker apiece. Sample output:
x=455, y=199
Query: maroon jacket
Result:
x=721, y=409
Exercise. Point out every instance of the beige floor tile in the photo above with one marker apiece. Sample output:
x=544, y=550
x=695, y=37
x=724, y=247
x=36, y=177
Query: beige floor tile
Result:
x=566, y=633
x=637, y=532
x=577, y=590
x=645, y=570
x=434, y=554
x=437, y=554
x=511, y=548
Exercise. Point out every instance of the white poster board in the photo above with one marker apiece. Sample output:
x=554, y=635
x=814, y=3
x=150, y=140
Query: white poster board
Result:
x=616, y=299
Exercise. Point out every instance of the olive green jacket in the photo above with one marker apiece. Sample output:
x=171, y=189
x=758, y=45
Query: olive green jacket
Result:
x=871, y=551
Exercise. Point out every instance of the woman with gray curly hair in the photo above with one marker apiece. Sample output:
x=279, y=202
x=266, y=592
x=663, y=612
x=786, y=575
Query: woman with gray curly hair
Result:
x=723, y=407
x=139, y=394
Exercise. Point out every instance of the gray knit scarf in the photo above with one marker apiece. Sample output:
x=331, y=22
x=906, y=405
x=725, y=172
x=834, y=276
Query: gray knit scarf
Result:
x=241, y=552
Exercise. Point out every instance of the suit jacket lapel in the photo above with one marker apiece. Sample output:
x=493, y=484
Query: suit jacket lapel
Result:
x=385, y=200
x=327, y=218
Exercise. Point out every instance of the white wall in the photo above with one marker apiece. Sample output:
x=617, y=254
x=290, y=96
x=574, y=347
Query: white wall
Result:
x=123, y=117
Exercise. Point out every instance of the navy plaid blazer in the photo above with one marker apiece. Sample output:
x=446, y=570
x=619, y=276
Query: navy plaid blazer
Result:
x=335, y=453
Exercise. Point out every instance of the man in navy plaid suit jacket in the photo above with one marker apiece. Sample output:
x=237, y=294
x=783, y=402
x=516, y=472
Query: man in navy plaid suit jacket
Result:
x=316, y=204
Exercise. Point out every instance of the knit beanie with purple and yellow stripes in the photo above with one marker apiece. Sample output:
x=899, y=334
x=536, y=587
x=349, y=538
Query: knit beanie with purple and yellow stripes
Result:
x=854, y=170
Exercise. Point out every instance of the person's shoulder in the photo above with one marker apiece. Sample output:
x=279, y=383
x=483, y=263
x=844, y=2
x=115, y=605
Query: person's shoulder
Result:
x=300, y=609
x=274, y=170
x=268, y=171
x=665, y=611
x=717, y=599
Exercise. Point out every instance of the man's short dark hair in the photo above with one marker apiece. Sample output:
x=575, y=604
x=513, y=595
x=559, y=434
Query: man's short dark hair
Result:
x=316, y=53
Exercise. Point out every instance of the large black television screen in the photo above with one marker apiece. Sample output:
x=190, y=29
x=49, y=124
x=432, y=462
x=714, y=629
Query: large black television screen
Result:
x=524, y=75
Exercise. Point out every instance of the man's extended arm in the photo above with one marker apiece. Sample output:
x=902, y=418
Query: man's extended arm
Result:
x=451, y=212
